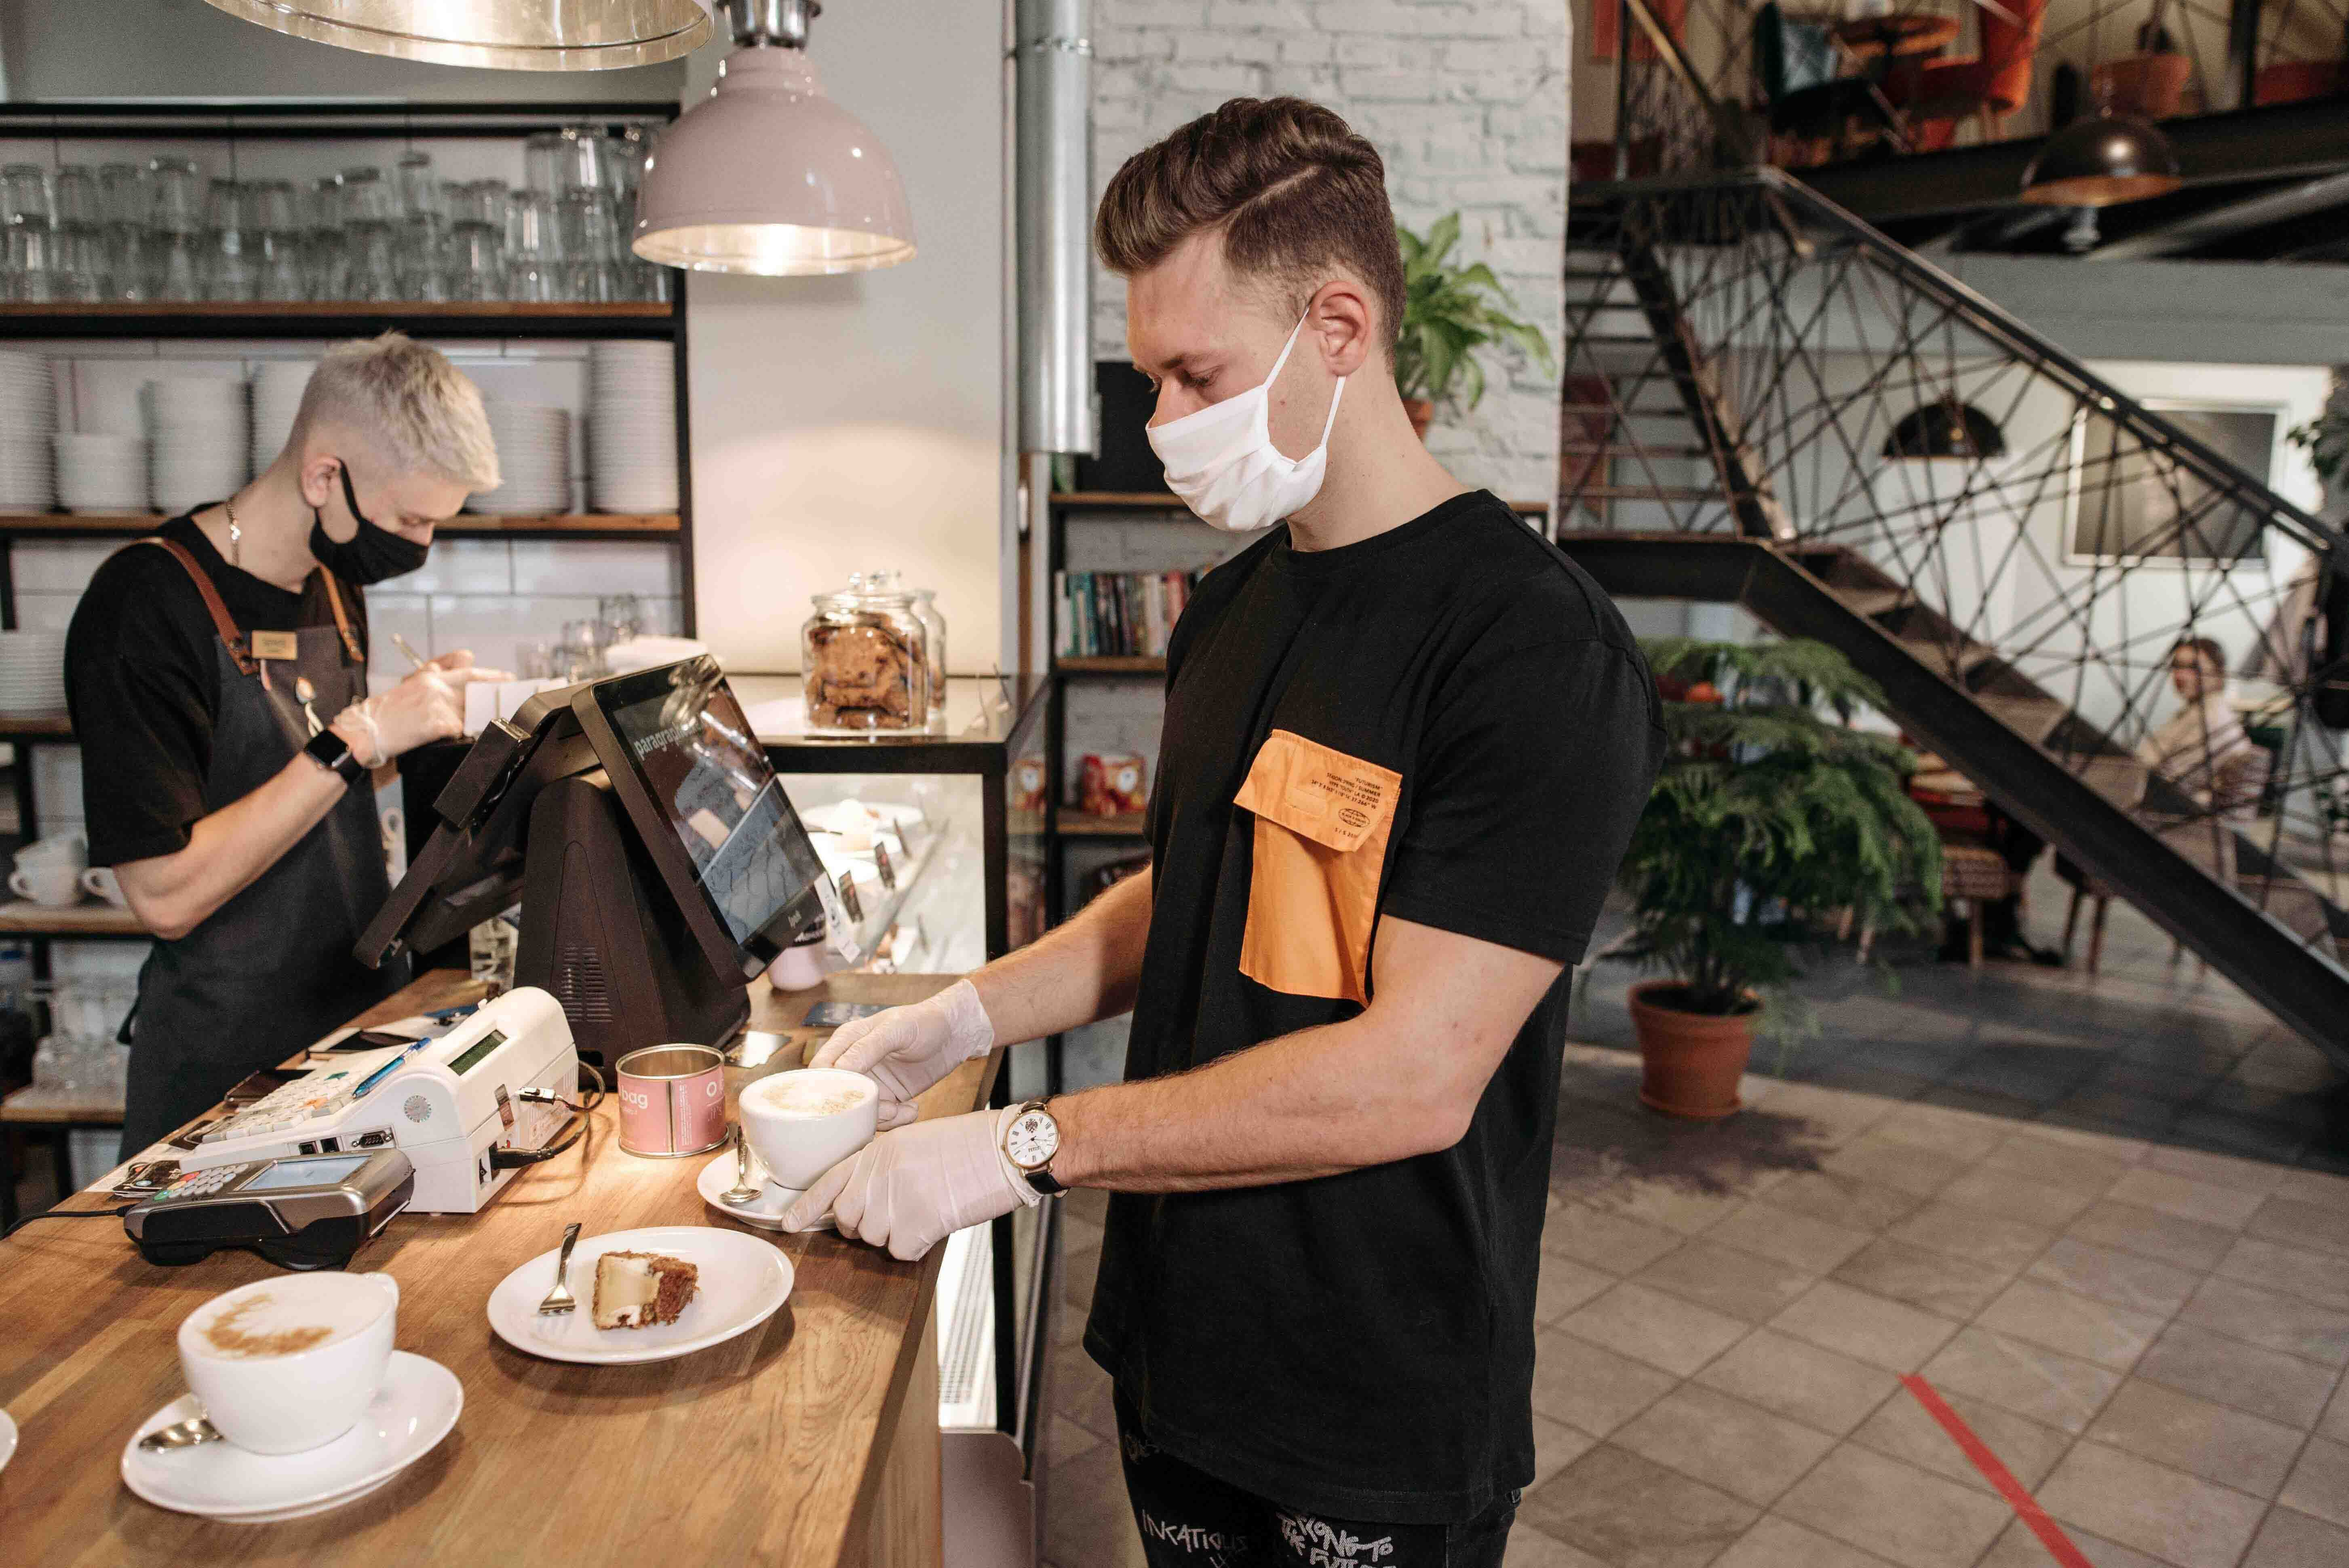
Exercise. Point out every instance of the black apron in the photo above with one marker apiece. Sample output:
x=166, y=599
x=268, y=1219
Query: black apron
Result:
x=271, y=970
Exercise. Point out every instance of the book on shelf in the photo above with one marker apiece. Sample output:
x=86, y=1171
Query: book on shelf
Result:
x=1118, y=614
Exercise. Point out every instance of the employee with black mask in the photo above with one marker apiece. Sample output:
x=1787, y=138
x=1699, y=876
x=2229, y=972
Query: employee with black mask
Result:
x=217, y=673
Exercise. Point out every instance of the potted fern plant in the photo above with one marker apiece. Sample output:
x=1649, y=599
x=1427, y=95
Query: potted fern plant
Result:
x=1450, y=313
x=1771, y=826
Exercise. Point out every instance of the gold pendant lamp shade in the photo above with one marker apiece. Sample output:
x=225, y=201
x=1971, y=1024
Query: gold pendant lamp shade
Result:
x=499, y=35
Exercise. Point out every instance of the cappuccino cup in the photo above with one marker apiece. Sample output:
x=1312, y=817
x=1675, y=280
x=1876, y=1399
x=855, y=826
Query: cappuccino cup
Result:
x=101, y=881
x=290, y=1362
x=803, y=1122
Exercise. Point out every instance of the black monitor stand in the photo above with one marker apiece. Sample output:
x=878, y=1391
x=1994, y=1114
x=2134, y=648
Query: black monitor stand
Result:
x=601, y=933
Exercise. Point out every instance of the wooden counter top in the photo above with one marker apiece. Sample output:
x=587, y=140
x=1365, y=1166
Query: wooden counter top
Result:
x=769, y=1449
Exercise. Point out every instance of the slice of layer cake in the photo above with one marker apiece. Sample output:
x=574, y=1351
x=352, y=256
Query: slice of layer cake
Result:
x=636, y=1290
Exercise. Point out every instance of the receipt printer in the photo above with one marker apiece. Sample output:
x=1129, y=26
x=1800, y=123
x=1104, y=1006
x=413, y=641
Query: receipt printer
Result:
x=455, y=1106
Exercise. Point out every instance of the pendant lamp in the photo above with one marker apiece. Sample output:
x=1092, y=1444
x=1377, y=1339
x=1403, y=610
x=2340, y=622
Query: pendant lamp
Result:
x=2101, y=162
x=503, y=35
x=1947, y=428
x=767, y=175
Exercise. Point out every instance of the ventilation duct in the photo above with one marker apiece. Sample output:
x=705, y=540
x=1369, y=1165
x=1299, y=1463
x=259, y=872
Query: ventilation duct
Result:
x=1052, y=58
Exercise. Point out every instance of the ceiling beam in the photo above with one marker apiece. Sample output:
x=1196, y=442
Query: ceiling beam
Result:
x=2196, y=230
x=2308, y=138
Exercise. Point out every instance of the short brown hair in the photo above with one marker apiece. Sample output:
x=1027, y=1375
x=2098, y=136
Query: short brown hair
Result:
x=2207, y=648
x=1292, y=186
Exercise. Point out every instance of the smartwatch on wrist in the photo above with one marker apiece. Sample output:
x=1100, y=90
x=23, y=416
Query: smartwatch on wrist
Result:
x=334, y=754
x=1030, y=1141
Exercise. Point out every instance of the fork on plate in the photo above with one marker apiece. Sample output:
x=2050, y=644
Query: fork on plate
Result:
x=560, y=1300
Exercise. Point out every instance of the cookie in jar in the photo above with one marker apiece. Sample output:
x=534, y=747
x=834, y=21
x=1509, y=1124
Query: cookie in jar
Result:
x=865, y=662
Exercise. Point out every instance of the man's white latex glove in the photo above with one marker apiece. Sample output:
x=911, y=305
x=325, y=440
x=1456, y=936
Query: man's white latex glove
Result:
x=909, y=1189
x=907, y=1049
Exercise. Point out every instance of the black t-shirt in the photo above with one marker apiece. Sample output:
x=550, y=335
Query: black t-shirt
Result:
x=142, y=681
x=1460, y=703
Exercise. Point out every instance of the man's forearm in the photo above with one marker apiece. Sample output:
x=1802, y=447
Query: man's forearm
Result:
x=226, y=850
x=1082, y=971
x=1309, y=1104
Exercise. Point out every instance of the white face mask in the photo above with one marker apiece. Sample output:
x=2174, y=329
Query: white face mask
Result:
x=1222, y=462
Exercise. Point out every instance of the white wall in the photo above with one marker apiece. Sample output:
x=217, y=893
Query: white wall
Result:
x=175, y=48
x=843, y=423
x=1466, y=104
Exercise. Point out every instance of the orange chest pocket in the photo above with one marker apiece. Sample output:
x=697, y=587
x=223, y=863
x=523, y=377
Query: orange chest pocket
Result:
x=1321, y=824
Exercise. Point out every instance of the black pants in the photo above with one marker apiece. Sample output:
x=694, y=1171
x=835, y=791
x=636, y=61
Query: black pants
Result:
x=1191, y=1519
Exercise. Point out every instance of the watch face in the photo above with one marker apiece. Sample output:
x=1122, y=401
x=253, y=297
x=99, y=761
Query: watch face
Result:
x=1033, y=1139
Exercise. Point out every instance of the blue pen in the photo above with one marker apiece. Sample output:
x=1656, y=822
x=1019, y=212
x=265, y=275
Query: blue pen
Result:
x=369, y=1081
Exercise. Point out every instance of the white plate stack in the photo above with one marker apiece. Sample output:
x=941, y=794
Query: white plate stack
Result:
x=278, y=389
x=101, y=472
x=202, y=440
x=632, y=427
x=32, y=673
x=533, y=457
x=28, y=417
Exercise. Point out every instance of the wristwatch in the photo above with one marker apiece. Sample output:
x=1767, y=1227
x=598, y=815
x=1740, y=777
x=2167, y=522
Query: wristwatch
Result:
x=334, y=754
x=1029, y=1142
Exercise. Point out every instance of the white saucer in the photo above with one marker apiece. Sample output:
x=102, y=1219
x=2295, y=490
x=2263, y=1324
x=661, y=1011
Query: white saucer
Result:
x=7, y=1438
x=766, y=1211
x=413, y=1410
x=744, y=1282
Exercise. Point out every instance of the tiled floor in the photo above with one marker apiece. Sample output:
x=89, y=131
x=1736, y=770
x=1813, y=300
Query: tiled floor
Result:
x=2107, y=1222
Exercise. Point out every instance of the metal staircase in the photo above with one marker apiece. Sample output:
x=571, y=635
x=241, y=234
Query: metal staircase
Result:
x=1768, y=402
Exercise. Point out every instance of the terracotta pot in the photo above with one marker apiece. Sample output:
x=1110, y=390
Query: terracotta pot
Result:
x=1690, y=1062
x=1423, y=415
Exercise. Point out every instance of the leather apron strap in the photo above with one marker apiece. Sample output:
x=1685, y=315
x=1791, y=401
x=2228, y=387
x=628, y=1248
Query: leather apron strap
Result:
x=231, y=636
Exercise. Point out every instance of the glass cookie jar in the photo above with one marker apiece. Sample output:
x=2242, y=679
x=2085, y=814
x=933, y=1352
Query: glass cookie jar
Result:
x=867, y=661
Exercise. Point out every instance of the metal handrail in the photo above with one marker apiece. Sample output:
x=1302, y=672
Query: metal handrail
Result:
x=2011, y=333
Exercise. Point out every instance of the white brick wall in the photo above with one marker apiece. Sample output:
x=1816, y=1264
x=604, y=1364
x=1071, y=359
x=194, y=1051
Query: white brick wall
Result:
x=1467, y=102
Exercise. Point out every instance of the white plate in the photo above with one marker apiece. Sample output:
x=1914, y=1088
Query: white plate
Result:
x=413, y=1410
x=766, y=1211
x=7, y=1438
x=744, y=1282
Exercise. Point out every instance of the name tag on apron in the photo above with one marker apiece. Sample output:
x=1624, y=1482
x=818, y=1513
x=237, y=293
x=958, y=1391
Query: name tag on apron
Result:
x=277, y=646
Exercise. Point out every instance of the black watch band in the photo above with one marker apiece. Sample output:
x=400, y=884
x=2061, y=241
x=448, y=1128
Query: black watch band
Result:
x=334, y=755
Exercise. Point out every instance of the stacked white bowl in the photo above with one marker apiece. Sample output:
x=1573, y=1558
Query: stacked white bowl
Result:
x=203, y=441
x=631, y=426
x=32, y=673
x=101, y=472
x=278, y=389
x=28, y=417
x=533, y=458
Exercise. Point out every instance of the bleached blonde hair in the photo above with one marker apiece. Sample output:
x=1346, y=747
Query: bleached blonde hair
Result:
x=420, y=413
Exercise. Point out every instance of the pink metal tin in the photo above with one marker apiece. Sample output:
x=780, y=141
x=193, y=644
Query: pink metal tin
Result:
x=672, y=1100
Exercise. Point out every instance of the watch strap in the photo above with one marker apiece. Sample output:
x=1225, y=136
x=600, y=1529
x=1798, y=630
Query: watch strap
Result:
x=334, y=754
x=1041, y=1178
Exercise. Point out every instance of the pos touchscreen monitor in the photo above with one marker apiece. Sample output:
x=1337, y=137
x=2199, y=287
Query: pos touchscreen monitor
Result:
x=656, y=859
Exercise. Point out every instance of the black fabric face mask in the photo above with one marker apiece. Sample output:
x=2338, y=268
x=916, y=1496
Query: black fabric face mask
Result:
x=370, y=555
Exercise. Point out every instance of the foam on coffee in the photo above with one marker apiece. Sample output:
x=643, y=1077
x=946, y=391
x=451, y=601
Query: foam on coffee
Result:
x=811, y=1092
x=274, y=1320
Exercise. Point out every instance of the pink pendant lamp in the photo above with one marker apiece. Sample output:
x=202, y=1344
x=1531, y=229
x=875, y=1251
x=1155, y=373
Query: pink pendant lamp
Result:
x=767, y=175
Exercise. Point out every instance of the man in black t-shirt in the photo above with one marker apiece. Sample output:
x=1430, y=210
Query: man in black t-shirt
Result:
x=1406, y=743
x=217, y=675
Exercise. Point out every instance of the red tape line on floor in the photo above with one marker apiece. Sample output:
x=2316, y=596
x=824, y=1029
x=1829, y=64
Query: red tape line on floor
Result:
x=2026, y=1507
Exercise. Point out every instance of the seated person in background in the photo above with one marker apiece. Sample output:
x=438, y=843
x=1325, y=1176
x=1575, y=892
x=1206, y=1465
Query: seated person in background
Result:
x=2204, y=749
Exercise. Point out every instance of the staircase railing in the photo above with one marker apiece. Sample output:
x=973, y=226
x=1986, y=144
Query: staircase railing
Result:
x=1744, y=357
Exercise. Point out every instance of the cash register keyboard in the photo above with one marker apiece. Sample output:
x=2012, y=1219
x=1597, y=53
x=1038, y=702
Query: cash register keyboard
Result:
x=288, y=1106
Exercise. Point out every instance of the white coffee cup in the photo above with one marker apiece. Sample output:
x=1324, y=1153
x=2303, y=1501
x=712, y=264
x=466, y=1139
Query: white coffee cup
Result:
x=51, y=882
x=57, y=849
x=803, y=1122
x=289, y=1363
x=101, y=881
